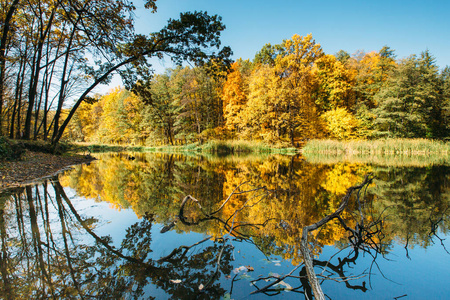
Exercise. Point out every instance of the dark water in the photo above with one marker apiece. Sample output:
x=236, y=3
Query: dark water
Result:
x=119, y=229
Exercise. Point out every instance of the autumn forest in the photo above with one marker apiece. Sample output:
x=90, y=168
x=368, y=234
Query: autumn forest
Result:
x=289, y=93
x=55, y=53
x=288, y=170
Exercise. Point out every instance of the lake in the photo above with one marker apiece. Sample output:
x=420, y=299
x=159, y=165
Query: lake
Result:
x=175, y=226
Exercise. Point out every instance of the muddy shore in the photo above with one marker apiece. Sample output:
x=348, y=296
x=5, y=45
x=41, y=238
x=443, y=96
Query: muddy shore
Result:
x=35, y=165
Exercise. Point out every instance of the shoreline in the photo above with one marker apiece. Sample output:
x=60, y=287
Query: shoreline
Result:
x=34, y=166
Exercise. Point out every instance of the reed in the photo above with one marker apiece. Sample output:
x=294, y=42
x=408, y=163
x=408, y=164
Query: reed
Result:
x=397, y=147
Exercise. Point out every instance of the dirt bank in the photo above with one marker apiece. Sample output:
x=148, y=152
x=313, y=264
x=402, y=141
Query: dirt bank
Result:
x=35, y=165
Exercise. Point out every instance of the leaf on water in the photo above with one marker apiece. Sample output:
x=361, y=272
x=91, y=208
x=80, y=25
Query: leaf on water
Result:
x=287, y=286
x=277, y=265
x=200, y=287
x=250, y=269
x=245, y=276
x=227, y=296
x=228, y=277
x=241, y=268
x=175, y=280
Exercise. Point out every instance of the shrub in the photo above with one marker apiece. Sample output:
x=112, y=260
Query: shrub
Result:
x=10, y=151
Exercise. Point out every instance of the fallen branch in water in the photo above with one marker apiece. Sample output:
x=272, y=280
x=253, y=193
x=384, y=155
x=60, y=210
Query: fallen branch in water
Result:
x=306, y=253
x=307, y=259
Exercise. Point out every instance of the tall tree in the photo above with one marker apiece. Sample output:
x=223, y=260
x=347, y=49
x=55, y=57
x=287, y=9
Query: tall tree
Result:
x=411, y=103
x=185, y=39
x=5, y=29
x=234, y=96
x=294, y=68
x=336, y=84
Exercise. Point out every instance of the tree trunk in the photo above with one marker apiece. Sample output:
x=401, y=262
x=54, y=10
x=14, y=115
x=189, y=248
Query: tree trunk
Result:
x=3, y=41
x=62, y=90
x=35, y=76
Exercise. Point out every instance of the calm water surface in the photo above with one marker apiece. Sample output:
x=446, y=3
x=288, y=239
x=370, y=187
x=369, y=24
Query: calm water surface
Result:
x=123, y=228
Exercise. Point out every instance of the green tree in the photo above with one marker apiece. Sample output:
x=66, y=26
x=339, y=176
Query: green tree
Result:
x=412, y=104
x=161, y=109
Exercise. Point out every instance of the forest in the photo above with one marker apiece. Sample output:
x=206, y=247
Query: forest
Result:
x=289, y=93
x=54, y=53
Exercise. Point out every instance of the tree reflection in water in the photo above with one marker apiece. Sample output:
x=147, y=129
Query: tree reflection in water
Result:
x=60, y=264
x=51, y=250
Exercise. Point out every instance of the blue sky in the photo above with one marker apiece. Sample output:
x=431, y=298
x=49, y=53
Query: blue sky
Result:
x=408, y=27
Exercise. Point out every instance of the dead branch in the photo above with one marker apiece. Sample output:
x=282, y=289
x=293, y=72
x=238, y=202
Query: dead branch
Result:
x=275, y=282
x=185, y=249
x=307, y=259
x=317, y=289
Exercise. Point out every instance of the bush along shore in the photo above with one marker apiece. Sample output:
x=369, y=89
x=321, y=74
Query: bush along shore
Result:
x=213, y=146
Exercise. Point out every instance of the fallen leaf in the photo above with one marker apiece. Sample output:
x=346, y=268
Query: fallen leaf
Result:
x=175, y=280
x=287, y=286
x=241, y=268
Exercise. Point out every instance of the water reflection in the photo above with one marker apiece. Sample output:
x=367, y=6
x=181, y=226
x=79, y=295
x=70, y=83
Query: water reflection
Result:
x=250, y=212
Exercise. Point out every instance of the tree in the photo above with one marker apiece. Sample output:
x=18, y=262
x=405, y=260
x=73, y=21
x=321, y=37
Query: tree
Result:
x=6, y=25
x=293, y=67
x=372, y=71
x=185, y=39
x=162, y=109
x=340, y=124
x=336, y=84
x=260, y=116
x=54, y=37
x=234, y=97
x=411, y=104
x=267, y=55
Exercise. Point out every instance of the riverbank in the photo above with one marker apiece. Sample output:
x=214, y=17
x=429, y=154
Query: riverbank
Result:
x=33, y=166
x=213, y=146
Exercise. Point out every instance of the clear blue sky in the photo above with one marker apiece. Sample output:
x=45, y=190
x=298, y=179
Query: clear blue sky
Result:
x=408, y=27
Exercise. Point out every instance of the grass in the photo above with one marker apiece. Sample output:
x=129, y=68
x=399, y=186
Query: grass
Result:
x=406, y=147
x=238, y=146
x=388, y=152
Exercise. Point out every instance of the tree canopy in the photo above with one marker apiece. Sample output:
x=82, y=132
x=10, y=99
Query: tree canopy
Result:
x=54, y=53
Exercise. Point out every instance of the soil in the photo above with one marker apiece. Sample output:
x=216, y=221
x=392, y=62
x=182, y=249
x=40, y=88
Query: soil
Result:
x=36, y=165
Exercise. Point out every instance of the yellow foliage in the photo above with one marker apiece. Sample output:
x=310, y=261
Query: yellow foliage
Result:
x=336, y=83
x=234, y=98
x=342, y=176
x=341, y=124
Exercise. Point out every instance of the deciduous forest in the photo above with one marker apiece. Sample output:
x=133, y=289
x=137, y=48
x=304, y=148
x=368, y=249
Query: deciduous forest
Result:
x=54, y=53
x=289, y=93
